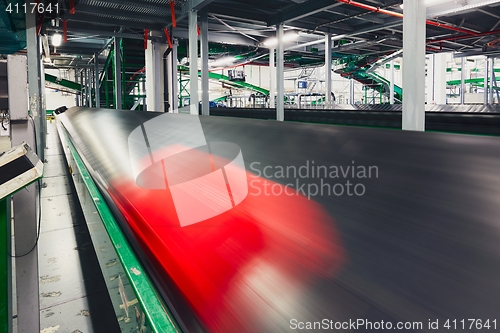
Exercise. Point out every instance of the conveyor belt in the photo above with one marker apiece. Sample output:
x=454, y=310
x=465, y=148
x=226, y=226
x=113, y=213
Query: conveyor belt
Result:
x=421, y=243
x=471, y=119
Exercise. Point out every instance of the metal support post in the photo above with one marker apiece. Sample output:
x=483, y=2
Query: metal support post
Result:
x=351, y=91
x=492, y=79
x=118, y=73
x=440, y=78
x=280, y=77
x=205, y=97
x=430, y=79
x=462, y=82
x=86, y=85
x=5, y=266
x=391, y=96
x=193, y=61
x=77, y=80
x=485, y=83
x=328, y=68
x=155, y=83
x=96, y=73
x=82, y=92
x=414, y=74
x=272, y=73
x=174, y=74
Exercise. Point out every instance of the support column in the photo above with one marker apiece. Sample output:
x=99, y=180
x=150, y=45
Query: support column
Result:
x=118, y=73
x=485, y=83
x=77, y=80
x=272, y=73
x=175, y=80
x=440, y=78
x=205, y=97
x=328, y=64
x=351, y=91
x=96, y=73
x=391, y=88
x=23, y=128
x=414, y=74
x=462, y=81
x=429, y=91
x=280, y=77
x=193, y=62
x=492, y=77
x=154, y=78
x=5, y=266
x=82, y=83
x=87, y=89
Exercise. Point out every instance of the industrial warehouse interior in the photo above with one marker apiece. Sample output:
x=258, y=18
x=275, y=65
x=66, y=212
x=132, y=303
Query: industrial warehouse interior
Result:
x=232, y=166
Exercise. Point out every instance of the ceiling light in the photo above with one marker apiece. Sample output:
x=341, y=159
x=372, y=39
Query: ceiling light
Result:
x=222, y=61
x=56, y=39
x=288, y=37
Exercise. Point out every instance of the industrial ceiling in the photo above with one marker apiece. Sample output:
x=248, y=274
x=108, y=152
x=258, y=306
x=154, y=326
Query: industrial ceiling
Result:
x=363, y=27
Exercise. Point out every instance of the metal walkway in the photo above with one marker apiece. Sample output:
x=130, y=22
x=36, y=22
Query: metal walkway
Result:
x=73, y=296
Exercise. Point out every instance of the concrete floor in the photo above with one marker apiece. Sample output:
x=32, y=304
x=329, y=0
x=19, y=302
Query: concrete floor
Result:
x=73, y=294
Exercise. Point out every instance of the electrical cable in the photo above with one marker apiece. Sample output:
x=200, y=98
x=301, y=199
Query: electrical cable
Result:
x=39, y=205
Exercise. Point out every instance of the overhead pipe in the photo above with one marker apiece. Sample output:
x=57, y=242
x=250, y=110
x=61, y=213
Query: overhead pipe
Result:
x=396, y=14
x=167, y=35
x=172, y=12
x=346, y=47
x=446, y=39
x=146, y=37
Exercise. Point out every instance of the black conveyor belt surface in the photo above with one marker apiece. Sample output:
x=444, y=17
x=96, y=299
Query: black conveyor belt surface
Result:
x=484, y=120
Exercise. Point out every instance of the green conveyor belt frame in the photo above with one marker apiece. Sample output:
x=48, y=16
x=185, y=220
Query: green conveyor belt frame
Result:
x=73, y=87
x=221, y=78
x=125, y=276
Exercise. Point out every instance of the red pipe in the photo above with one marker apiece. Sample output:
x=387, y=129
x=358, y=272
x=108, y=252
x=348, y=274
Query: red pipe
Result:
x=172, y=12
x=396, y=14
x=146, y=35
x=167, y=35
x=72, y=7
x=445, y=39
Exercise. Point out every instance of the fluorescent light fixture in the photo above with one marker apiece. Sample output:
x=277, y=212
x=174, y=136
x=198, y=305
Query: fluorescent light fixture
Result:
x=471, y=4
x=222, y=61
x=56, y=39
x=288, y=37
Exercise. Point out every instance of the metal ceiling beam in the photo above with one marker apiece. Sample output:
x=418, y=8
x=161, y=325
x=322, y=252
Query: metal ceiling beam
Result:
x=195, y=5
x=392, y=24
x=369, y=18
x=102, y=32
x=302, y=10
x=134, y=22
x=215, y=37
x=130, y=9
x=241, y=15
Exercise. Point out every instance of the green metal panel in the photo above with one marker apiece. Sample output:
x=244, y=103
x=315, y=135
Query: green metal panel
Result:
x=63, y=82
x=225, y=79
x=475, y=80
x=5, y=266
x=156, y=313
